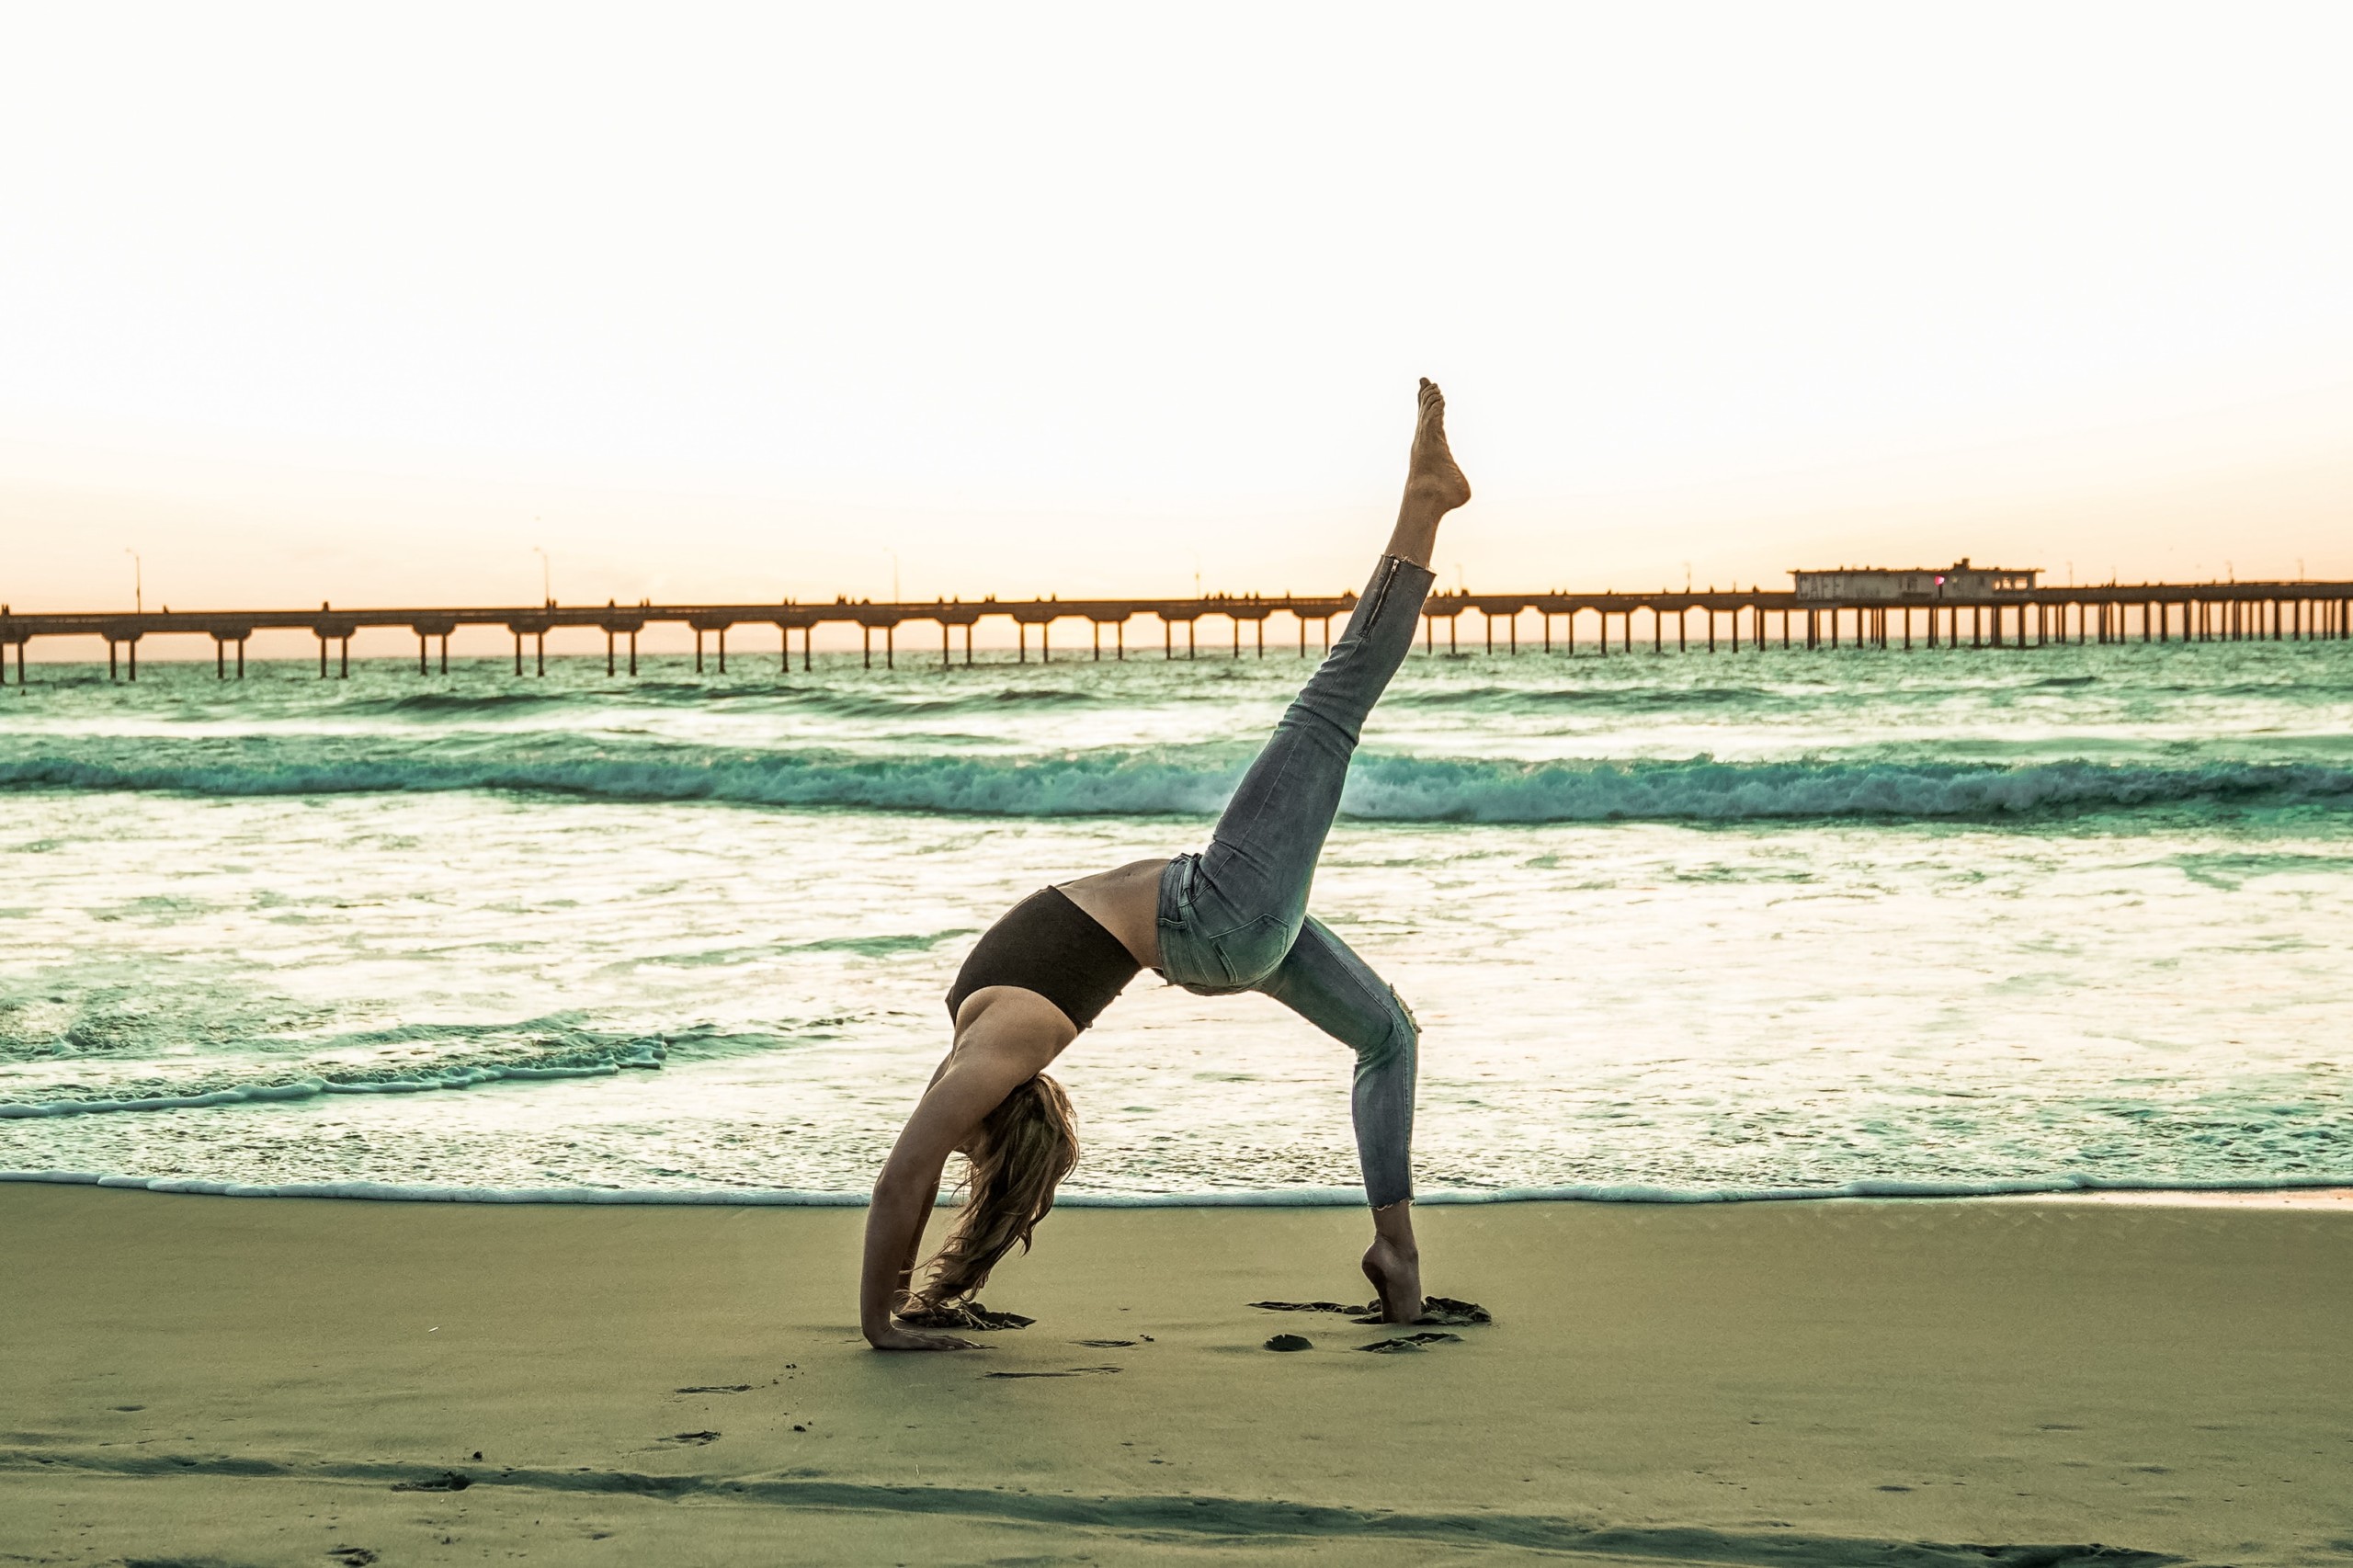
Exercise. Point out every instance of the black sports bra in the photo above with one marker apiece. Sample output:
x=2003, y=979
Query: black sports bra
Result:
x=1049, y=944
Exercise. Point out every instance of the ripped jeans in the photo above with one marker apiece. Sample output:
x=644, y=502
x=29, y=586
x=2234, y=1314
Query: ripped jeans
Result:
x=1235, y=917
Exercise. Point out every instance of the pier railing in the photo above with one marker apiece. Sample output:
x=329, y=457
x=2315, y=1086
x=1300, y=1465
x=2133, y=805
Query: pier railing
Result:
x=1730, y=620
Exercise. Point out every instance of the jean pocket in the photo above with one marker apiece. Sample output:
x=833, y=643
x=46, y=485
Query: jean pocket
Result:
x=1250, y=953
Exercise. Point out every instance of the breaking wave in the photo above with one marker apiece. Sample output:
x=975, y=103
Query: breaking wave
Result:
x=1174, y=781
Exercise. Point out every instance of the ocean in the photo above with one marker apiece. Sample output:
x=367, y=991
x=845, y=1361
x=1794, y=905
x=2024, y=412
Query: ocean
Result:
x=1677, y=927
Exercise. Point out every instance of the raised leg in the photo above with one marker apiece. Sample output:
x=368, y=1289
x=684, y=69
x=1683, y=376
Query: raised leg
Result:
x=1230, y=914
x=1247, y=894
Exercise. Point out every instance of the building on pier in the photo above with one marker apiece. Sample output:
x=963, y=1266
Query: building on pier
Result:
x=1918, y=585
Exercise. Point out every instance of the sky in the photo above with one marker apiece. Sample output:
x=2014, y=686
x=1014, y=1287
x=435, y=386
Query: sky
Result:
x=429, y=304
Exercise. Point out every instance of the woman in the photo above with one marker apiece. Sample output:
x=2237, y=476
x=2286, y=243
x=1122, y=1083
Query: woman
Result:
x=1231, y=919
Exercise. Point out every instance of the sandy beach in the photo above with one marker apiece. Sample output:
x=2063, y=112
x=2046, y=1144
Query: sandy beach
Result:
x=223, y=1380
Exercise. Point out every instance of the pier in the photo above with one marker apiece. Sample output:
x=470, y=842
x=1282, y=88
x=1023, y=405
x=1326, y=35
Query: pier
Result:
x=1607, y=624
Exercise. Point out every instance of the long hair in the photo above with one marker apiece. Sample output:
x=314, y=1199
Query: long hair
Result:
x=1026, y=1146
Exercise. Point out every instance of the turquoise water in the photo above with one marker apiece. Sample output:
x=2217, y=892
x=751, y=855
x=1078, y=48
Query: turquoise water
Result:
x=1680, y=924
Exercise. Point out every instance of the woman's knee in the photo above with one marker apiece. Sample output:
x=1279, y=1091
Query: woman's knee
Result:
x=1395, y=1044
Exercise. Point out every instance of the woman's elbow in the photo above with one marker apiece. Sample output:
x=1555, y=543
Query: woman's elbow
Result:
x=899, y=1189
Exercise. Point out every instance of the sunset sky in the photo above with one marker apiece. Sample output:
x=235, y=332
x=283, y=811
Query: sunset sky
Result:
x=361, y=303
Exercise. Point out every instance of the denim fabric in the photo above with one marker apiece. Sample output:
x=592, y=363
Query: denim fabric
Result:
x=1324, y=983
x=1233, y=917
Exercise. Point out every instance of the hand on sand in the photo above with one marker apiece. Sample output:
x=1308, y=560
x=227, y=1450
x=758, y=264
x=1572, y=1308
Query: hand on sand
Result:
x=897, y=1338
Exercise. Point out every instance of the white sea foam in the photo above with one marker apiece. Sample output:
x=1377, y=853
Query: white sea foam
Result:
x=1195, y=781
x=643, y=1054
x=1987, y=918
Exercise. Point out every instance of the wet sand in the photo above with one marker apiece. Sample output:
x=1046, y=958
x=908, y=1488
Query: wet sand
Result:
x=283, y=1381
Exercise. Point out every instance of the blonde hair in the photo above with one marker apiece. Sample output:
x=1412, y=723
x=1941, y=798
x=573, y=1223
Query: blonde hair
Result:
x=1026, y=1146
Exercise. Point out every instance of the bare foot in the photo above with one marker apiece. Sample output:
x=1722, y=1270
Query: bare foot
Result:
x=1432, y=477
x=1396, y=1273
x=1433, y=483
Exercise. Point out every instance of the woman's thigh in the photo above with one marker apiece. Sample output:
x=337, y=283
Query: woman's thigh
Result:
x=1262, y=858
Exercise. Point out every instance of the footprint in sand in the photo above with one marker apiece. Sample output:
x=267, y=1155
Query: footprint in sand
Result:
x=1410, y=1342
x=1439, y=1311
x=1308, y=1306
x=968, y=1315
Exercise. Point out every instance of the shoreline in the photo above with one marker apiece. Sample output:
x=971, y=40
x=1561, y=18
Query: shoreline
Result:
x=2293, y=1191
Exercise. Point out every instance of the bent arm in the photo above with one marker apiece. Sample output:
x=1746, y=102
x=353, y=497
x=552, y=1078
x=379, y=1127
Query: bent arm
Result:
x=1004, y=1045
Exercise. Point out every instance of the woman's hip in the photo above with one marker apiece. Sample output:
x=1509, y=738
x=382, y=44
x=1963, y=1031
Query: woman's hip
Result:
x=1212, y=943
